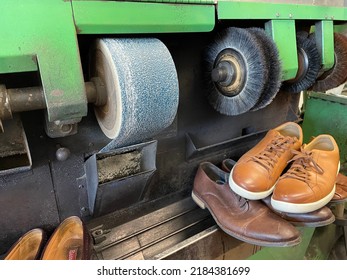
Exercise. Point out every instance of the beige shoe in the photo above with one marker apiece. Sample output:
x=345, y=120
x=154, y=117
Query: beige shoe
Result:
x=309, y=184
x=69, y=241
x=255, y=174
x=28, y=247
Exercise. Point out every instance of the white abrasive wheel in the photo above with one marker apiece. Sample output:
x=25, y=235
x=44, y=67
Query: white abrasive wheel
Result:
x=142, y=88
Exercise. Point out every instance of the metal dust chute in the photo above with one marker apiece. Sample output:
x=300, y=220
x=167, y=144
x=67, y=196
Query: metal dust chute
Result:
x=236, y=71
x=273, y=67
x=337, y=75
x=309, y=64
x=142, y=88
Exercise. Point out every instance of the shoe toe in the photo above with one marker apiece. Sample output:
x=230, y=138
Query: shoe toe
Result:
x=292, y=191
x=254, y=182
x=274, y=230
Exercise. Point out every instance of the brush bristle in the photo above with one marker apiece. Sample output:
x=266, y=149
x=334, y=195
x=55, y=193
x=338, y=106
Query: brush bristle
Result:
x=247, y=45
x=338, y=74
x=273, y=65
x=308, y=45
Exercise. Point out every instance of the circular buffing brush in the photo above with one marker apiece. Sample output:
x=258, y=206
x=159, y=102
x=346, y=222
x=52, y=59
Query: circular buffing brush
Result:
x=235, y=64
x=338, y=74
x=142, y=88
x=273, y=65
x=309, y=64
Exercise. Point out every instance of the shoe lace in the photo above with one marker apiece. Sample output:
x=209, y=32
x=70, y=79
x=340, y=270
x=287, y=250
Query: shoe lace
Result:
x=243, y=200
x=302, y=163
x=269, y=156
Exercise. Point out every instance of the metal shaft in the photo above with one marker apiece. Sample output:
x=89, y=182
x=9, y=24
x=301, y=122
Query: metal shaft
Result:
x=17, y=100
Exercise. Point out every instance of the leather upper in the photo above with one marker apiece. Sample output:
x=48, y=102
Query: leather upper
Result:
x=341, y=189
x=259, y=168
x=312, y=177
x=68, y=242
x=28, y=247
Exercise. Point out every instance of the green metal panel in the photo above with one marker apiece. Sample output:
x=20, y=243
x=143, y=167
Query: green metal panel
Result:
x=111, y=17
x=254, y=10
x=196, y=2
x=286, y=253
x=283, y=33
x=324, y=33
x=41, y=35
x=327, y=114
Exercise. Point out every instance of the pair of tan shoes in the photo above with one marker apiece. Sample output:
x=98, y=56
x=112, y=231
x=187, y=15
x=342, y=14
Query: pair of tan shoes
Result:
x=301, y=178
x=69, y=241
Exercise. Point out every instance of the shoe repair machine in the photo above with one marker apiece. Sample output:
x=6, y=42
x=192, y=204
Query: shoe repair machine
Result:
x=108, y=107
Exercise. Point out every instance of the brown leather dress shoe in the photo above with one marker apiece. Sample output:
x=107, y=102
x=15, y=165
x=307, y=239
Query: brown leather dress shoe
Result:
x=319, y=218
x=28, y=247
x=309, y=184
x=69, y=241
x=340, y=195
x=255, y=174
x=249, y=221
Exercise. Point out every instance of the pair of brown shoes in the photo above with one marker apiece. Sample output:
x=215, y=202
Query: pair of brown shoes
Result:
x=309, y=182
x=248, y=220
x=318, y=218
x=69, y=241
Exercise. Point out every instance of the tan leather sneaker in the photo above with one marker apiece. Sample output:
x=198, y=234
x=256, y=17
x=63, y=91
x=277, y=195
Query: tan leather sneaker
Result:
x=246, y=220
x=28, y=247
x=255, y=174
x=309, y=184
x=69, y=241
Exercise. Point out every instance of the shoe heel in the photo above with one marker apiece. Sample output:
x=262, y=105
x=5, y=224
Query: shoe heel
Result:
x=198, y=201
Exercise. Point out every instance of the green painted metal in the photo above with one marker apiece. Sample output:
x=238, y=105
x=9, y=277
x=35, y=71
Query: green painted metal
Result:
x=322, y=242
x=287, y=253
x=228, y=9
x=195, y=2
x=283, y=33
x=324, y=35
x=112, y=17
x=41, y=35
x=331, y=119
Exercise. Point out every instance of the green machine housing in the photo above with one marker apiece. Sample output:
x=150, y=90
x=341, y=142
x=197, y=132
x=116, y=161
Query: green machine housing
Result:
x=51, y=38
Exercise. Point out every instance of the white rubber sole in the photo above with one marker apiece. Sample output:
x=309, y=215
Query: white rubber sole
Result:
x=247, y=194
x=299, y=208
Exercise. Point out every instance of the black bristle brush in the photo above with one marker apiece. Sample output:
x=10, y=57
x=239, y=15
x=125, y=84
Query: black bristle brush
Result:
x=254, y=73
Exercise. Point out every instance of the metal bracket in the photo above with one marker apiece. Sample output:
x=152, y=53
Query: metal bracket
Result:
x=283, y=33
x=60, y=129
x=43, y=37
x=324, y=36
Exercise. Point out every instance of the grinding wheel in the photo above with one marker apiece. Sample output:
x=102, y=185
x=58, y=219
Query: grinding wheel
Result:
x=236, y=71
x=142, y=88
x=337, y=75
